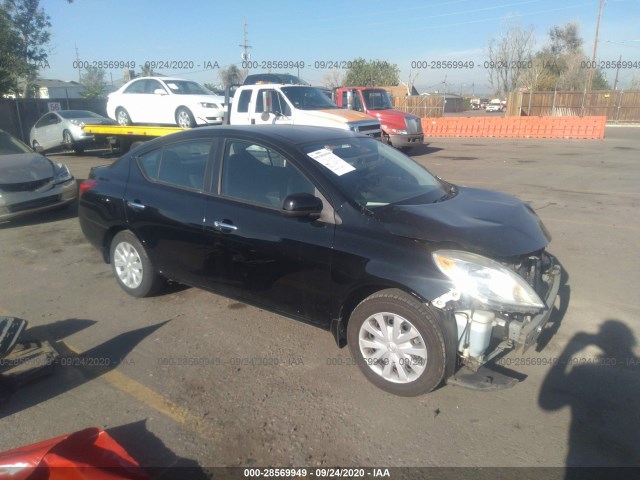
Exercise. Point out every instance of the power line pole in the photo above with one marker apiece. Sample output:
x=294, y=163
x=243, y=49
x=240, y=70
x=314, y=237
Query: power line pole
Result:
x=246, y=56
x=595, y=48
x=78, y=64
x=615, y=82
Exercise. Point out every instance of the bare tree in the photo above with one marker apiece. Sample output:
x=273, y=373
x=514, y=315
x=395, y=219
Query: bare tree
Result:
x=409, y=84
x=333, y=79
x=509, y=56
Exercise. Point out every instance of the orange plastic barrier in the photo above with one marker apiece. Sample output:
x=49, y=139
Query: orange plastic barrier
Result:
x=589, y=128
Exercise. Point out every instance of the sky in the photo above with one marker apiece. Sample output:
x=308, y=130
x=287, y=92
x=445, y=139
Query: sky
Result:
x=196, y=37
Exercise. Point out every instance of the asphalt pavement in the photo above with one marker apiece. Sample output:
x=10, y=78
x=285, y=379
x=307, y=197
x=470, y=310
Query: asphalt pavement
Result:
x=192, y=378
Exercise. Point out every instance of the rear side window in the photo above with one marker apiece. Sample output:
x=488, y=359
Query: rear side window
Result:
x=135, y=87
x=181, y=164
x=243, y=101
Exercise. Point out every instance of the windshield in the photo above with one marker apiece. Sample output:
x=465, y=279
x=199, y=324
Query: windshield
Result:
x=377, y=99
x=308, y=98
x=374, y=174
x=185, y=87
x=10, y=145
x=77, y=114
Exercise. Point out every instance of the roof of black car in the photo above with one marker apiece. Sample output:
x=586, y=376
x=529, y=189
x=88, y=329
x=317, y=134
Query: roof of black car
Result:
x=292, y=134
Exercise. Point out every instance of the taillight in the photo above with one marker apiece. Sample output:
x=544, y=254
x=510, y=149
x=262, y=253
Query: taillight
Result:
x=87, y=185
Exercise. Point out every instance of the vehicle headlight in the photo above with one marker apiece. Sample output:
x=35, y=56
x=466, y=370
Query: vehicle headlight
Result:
x=63, y=174
x=486, y=280
x=77, y=123
x=209, y=105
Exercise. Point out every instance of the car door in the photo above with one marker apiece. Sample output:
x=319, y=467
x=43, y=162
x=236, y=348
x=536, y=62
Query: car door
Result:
x=281, y=111
x=164, y=204
x=48, y=131
x=255, y=252
x=133, y=99
x=159, y=107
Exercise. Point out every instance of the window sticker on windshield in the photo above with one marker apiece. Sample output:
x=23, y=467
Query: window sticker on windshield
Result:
x=330, y=160
x=172, y=86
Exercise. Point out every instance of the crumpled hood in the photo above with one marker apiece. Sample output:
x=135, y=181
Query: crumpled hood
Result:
x=480, y=221
x=25, y=167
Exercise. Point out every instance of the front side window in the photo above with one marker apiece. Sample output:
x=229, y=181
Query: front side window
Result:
x=374, y=174
x=257, y=174
x=181, y=164
x=243, y=102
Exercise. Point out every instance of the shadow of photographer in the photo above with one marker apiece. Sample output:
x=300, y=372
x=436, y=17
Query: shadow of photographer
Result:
x=603, y=392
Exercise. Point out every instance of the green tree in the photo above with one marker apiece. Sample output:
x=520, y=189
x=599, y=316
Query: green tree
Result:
x=12, y=66
x=147, y=71
x=232, y=75
x=31, y=25
x=94, y=83
x=372, y=73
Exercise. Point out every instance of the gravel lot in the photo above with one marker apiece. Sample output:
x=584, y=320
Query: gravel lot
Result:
x=192, y=378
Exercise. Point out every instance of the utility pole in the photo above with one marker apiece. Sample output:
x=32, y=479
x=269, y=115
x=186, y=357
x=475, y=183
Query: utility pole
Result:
x=246, y=56
x=615, y=82
x=595, y=48
x=78, y=64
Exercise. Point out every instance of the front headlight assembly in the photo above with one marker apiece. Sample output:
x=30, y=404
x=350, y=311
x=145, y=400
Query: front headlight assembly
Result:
x=63, y=174
x=487, y=281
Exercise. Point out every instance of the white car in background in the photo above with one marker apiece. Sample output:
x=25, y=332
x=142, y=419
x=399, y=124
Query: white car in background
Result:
x=165, y=100
x=494, y=106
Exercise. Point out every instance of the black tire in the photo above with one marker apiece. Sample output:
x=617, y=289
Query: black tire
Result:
x=35, y=145
x=138, y=260
x=67, y=139
x=122, y=117
x=184, y=118
x=410, y=313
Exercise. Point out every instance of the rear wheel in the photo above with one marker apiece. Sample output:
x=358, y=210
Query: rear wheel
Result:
x=132, y=266
x=67, y=140
x=397, y=343
x=184, y=118
x=122, y=117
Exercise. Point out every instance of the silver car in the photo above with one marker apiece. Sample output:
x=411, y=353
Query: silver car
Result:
x=64, y=129
x=30, y=182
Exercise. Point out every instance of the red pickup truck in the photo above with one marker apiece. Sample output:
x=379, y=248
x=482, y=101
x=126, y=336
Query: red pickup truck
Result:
x=400, y=129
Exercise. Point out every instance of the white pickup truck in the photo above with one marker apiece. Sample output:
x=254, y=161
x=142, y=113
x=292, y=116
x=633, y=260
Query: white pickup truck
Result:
x=296, y=105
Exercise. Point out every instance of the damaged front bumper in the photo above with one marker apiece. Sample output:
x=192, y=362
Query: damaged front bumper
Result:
x=484, y=334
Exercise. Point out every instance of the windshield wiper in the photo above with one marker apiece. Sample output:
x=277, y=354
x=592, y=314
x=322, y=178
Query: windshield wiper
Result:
x=451, y=192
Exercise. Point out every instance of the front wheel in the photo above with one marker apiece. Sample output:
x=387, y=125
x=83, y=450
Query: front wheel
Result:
x=122, y=117
x=67, y=140
x=132, y=266
x=397, y=343
x=184, y=118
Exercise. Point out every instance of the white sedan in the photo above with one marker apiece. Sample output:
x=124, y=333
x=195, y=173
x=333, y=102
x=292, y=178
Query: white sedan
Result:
x=165, y=100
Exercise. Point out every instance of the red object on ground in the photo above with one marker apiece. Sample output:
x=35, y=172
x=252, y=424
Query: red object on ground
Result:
x=90, y=454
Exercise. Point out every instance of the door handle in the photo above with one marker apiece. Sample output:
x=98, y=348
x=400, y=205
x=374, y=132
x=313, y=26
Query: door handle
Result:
x=224, y=226
x=136, y=205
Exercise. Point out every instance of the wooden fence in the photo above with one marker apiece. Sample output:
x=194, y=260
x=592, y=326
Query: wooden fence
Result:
x=425, y=106
x=617, y=105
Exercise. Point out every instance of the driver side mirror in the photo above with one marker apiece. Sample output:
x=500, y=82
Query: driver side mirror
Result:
x=159, y=91
x=302, y=205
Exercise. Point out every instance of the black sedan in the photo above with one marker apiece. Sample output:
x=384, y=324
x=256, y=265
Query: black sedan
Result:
x=334, y=229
